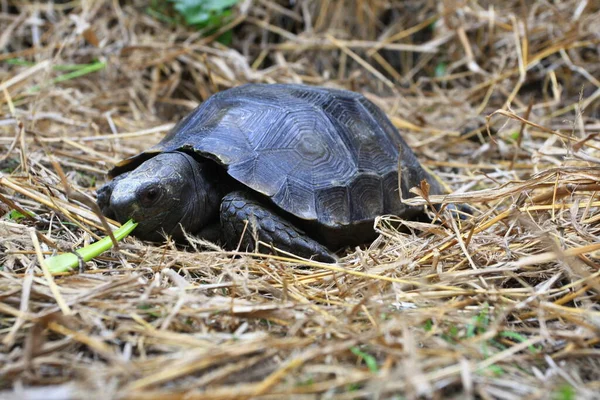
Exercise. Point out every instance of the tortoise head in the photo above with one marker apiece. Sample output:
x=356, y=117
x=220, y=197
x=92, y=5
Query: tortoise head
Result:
x=166, y=193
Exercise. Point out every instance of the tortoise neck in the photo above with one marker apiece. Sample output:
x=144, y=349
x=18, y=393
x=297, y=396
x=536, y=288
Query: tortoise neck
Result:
x=205, y=197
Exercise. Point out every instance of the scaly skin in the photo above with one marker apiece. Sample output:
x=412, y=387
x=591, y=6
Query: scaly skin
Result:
x=104, y=193
x=239, y=207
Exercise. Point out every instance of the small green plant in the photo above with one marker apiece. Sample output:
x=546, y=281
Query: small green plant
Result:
x=204, y=13
x=428, y=325
x=353, y=387
x=67, y=261
x=495, y=370
x=565, y=392
x=75, y=71
x=480, y=322
x=440, y=69
x=208, y=15
x=9, y=165
x=451, y=336
x=17, y=216
x=515, y=136
x=367, y=358
x=520, y=338
x=150, y=310
x=306, y=382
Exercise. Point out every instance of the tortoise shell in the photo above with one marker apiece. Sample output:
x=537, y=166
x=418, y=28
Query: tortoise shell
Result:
x=324, y=155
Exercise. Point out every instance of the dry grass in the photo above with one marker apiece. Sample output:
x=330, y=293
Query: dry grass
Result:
x=502, y=305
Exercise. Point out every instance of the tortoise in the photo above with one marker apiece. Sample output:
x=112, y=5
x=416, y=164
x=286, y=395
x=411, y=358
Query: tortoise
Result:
x=303, y=169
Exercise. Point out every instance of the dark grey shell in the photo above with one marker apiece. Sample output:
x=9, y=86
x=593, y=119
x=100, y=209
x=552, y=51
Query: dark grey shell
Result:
x=323, y=155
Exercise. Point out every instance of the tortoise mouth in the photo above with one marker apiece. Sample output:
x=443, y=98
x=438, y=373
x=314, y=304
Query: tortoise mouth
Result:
x=150, y=231
x=126, y=205
x=167, y=194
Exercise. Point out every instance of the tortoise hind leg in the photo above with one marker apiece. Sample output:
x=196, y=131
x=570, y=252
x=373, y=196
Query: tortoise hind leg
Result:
x=240, y=211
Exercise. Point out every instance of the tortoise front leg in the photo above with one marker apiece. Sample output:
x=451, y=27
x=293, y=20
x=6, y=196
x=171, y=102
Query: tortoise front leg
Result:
x=243, y=214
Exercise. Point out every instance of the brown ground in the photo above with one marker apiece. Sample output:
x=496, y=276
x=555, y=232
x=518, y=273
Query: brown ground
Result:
x=502, y=305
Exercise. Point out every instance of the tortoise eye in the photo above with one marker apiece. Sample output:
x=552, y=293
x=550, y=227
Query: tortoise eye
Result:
x=149, y=195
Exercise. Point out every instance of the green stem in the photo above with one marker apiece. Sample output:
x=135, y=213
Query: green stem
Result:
x=67, y=261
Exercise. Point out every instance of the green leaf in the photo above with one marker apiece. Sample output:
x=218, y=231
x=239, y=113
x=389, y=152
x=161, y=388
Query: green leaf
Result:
x=453, y=331
x=203, y=13
x=369, y=359
x=67, y=261
x=56, y=67
x=480, y=322
x=519, y=338
x=565, y=392
x=495, y=370
x=9, y=165
x=515, y=136
x=428, y=325
x=84, y=70
x=16, y=216
x=440, y=69
x=353, y=387
x=307, y=382
x=19, y=61
x=197, y=17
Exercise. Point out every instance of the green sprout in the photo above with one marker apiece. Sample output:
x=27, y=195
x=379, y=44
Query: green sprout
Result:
x=15, y=215
x=204, y=13
x=67, y=261
x=369, y=359
x=75, y=72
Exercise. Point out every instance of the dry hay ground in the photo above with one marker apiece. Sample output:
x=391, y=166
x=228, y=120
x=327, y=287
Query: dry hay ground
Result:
x=501, y=305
